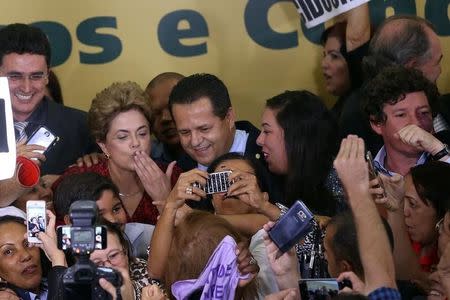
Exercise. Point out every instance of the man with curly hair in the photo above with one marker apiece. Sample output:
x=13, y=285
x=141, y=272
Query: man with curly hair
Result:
x=400, y=104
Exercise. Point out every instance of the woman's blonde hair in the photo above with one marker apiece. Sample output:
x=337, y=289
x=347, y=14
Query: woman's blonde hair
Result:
x=115, y=99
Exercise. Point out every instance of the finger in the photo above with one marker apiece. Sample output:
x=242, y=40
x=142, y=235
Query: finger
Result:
x=80, y=162
x=360, y=148
x=108, y=287
x=169, y=169
x=147, y=162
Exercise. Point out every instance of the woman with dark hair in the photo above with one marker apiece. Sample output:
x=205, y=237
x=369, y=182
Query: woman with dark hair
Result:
x=118, y=255
x=299, y=140
x=427, y=194
x=24, y=267
x=416, y=207
x=344, y=45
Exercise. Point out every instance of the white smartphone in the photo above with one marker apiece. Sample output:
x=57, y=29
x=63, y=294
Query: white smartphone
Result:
x=42, y=137
x=36, y=219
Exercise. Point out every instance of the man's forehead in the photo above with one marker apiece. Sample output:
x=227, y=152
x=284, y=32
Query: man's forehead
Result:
x=28, y=62
x=411, y=100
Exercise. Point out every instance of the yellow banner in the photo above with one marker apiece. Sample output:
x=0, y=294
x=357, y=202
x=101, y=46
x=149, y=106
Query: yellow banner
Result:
x=257, y=47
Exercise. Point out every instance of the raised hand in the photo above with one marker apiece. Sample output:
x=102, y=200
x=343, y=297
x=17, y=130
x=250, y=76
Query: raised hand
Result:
x=155, y=182
x=245, y=187
x=184, y=189
x=420, y=139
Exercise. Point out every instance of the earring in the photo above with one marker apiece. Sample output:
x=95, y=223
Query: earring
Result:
x=107, y=156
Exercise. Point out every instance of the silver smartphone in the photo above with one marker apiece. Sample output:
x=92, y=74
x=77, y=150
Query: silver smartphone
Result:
x=42, y=136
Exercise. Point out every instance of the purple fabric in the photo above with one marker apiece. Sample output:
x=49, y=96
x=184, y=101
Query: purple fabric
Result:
x=218, y=279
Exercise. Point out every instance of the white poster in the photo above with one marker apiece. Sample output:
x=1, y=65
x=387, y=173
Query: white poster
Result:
x=316, y=12
x=7, y=137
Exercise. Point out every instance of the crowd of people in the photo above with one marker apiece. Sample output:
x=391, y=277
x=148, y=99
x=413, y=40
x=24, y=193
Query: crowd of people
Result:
x=144, y=157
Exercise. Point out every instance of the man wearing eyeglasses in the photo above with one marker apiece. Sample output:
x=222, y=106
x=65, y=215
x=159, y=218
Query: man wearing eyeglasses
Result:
x=25, y=60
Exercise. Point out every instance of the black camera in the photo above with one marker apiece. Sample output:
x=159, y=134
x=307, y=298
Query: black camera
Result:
x=81, y=280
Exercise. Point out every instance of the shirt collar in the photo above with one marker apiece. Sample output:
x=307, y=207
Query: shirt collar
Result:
x=239, y=145
x=380, y=159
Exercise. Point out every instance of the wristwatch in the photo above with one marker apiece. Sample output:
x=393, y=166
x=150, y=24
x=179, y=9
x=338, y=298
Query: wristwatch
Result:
x=442, y=153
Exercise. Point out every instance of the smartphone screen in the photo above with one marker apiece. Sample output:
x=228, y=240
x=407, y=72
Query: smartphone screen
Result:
x=42, y=137
x=36, y=219
x=317, y=289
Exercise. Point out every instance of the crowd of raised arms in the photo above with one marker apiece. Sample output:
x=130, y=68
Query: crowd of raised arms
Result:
x=381, y=223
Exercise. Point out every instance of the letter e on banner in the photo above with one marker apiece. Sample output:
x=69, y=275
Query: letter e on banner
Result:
x=316, y=12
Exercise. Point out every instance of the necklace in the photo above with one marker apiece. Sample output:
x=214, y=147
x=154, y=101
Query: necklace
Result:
x=129, y=195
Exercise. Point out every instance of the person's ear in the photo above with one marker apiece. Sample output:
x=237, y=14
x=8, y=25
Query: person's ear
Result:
x=67, y=220
x=103, y=147
x=376, y=126
x=231, y=117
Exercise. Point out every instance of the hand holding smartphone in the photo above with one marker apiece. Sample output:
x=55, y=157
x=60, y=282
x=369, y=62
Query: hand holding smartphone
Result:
x=42, y=136
x=321, y=288
x=36, y=219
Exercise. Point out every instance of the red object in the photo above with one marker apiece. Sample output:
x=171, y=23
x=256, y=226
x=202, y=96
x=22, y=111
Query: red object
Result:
x=426, y=260
x=28, y=172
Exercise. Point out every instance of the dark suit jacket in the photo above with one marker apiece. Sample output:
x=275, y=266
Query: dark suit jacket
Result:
x=70, y=125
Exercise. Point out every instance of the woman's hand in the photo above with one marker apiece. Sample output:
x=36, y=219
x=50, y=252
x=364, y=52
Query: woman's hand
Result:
x=49, y=244
x=288, y=294
x=184, y=189
x=156, y=183
x=8, y=294
x=152, y=292
x=284, y=265
x=245, y=187
x=247, y=264
x=358, y=286
x=30, y=151
x=126, y=290
x=394, y=192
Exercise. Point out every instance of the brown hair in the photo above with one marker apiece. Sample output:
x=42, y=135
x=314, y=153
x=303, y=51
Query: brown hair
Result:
x=194, y=241
x=115, y=99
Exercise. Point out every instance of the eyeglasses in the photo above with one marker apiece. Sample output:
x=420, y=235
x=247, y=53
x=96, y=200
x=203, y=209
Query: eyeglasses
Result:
x=113, y=258
x=439, y=225
x=19, y=77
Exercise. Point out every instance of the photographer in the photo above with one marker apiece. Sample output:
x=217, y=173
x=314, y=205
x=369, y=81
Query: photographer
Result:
x=118, y=255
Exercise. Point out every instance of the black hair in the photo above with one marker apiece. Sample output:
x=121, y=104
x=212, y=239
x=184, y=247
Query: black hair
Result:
x=194, y=87
x=114, y=229
x=390, y=86
x=311, y=141
x=54, y=88
x=82, y=186
x=45, y=262
x=260, y=174
x=344, y=243
x=431, y=181
x=338, y=30
x=24, y=39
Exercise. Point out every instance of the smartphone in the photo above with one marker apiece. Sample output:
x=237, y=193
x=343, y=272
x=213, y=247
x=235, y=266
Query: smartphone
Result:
x=42, y=136
x=321, y=288
x=217, y=182
x=64, y=237
x=373, y=173
x=36, y=219
x=292, y=226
